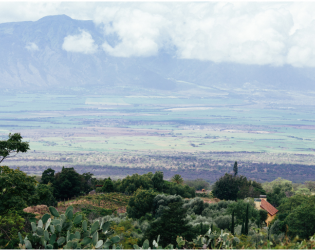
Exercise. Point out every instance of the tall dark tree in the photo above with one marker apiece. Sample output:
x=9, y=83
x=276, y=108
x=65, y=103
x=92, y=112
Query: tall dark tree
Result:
x=108, y=186
x=243, y=228
x=48, y=176
x=232, y=224
x=171, y=224
x=87, y=182
x=226, y=188
x=246, y=221
x=157, y=180
x=67, y=184
x=13, y=145
x=235, y=168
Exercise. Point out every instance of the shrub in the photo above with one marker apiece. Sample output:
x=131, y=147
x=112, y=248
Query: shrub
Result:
x=10, y=225
x=195, y=205
x=161, y=202
x=223, y=222
x=140, y=203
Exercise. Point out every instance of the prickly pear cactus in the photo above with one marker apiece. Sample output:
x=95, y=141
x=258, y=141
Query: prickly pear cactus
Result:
x=214, y=240
x=53, y=231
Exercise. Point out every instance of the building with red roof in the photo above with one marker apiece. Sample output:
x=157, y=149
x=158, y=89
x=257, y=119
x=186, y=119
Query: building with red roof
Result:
x=262, y=203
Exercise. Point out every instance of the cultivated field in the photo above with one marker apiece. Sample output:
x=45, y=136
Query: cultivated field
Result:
x=196, y=136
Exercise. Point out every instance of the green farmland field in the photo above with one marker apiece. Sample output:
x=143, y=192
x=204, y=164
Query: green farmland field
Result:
x=218, y=130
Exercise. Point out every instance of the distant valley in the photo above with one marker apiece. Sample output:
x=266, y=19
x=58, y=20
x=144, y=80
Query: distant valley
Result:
x=103, y=114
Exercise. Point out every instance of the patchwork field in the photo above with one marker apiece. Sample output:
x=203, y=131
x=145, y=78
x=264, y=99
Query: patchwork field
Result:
x=199, y=137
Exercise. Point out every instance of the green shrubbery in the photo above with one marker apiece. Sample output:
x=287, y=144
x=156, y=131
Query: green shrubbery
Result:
x=67, y=231
x=157, y=214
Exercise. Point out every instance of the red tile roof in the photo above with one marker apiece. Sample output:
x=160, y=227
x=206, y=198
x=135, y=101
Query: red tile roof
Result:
x=268, y=207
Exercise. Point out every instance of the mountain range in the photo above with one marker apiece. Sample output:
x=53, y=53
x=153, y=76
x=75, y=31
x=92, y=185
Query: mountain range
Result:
x=32, y=58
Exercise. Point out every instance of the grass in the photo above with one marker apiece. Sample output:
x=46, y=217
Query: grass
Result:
x=99, y=204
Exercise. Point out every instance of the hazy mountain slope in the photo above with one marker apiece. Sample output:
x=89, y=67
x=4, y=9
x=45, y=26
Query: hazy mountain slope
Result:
x=50, y=66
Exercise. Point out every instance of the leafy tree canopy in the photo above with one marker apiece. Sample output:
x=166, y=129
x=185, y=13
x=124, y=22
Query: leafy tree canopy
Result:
x=140, y=203
x=16, y=189
x=87, y=182
x=301, y=221
x=158, y=182
x=310, y=185
x=44, y=196
x=198, y=184
x=276, y=197
x=67, y=184
x=230, y=187
x=283, y=184
x=178, y=189
x=48, y=176
x=292, y=203
x=13, y=145
x=108, y=185
x=161, y=202
x=131, y=183
x=303, y=191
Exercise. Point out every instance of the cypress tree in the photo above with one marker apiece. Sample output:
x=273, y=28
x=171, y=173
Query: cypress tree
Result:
x=235, y=169
x=242, y=229
x=246, y=222
x=232, y=225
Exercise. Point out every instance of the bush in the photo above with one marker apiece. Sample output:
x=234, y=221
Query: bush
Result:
x=132, y=183
x=198, y=219
x=223, y=222
x=178, y=189
x=161, y=202
x=140, y=203
x=275, y=227
x=10, y=225
x=198, y=184
x=195, y=206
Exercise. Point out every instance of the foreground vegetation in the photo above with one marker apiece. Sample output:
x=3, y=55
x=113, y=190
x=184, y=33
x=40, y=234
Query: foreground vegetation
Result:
x=141, y=215
x=142, y=211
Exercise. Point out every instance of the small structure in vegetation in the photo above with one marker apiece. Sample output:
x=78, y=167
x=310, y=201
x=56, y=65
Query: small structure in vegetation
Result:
x=262, y=203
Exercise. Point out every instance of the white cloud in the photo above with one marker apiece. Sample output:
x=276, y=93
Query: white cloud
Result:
x=241, y=32
x=248, y=33
x=139, y=31
x=31, y=46
x=82, y=43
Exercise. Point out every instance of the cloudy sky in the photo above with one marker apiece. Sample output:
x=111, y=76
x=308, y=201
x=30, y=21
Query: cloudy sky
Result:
x=243, y=32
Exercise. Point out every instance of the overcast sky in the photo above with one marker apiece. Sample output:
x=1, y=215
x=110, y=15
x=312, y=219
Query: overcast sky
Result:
x=242, y=32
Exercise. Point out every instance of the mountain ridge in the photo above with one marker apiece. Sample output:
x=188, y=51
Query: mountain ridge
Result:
x=32, y=58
